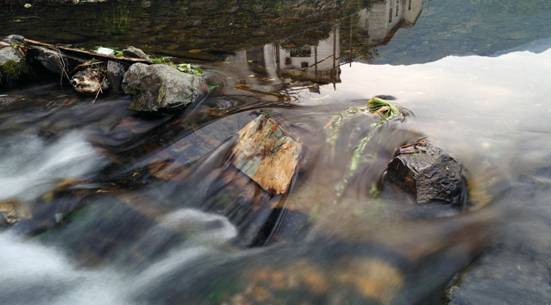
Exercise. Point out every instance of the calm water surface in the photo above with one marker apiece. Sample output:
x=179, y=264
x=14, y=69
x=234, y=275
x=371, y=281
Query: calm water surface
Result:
x=128, y=209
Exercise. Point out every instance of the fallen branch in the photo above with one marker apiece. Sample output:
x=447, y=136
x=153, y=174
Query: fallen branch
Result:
x=85, y=53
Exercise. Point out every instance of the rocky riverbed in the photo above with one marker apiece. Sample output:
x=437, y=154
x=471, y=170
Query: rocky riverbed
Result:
x=278, y=167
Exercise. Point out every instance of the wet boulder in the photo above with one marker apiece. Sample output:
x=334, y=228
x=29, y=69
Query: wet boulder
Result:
x=283, y=226
x=161, y=87
x=49, y=59
x=13, y=66
x=134, y=52
x=429, y=174
x=267, y=154
x=115, y=75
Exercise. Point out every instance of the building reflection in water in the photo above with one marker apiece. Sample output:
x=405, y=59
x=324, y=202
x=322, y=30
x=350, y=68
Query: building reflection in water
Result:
x=382, y=19
x=277, y=65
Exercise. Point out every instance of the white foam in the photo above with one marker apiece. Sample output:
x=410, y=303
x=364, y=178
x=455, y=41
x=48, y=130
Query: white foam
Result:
x=35, y=274
x=195, y=223
x=204, y=233
x=32, y=273
x=29, y=166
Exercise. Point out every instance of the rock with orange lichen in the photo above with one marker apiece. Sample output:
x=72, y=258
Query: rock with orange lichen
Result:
x=267, y=154
x=11, y=211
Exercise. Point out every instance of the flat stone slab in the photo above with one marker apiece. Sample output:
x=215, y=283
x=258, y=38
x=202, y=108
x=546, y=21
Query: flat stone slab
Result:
x=267, y=154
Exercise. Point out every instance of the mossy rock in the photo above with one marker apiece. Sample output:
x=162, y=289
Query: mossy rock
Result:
x=13, y=66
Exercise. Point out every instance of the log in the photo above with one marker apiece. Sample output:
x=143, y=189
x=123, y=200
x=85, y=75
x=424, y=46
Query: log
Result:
x=85, y=53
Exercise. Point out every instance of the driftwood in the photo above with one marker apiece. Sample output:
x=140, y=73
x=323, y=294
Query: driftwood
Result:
x=87, y=71
x=84, y=53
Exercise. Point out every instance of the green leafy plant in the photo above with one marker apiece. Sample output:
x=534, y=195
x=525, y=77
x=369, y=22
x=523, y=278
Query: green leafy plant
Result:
x=162, y=60
x=384, y=108
x=189, y=68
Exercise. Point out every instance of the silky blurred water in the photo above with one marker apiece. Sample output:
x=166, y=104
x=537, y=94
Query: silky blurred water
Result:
x=133, y=209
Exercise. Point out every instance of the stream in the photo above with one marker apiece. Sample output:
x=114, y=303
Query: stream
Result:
x=122, y=208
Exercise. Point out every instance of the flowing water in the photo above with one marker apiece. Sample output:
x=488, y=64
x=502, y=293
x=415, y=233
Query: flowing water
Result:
x=120, y=208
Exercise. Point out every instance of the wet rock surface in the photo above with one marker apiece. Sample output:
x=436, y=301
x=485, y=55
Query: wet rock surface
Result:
x=301, y=274
x=517, y=270
x=50, y=60
x=267, y=154
x=134, y=52
x=161, y=87
x=115, y=75
x=428, y=173
x=504, y=277
x=180, y=163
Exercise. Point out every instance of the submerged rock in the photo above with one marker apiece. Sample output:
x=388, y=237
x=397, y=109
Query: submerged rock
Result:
x=90, y=81
x=161, y=87
x=374, y=269
x=3, y=222
x=267, y=154
x=429, y=174
x=517, y=268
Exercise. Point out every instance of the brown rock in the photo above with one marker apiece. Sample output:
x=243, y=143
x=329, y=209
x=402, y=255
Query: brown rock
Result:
x=267, y=154
x=12, y=211
x=90, y=81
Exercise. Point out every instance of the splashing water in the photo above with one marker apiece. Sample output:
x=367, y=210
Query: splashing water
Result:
x=29, y=165
x=157, y=213
x=36, y=274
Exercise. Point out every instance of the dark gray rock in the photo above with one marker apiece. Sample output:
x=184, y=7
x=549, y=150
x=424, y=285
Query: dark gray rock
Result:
x=115, y=75
x=518, y=268
x=429, y=174
x=3, y=222
x=161, y=87
x=49, y=59
x=134, y=52
x=504, y=277
x=14, y=39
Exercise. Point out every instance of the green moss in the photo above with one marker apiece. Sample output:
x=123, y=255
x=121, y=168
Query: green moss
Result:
x=338, y=120
x=183, y=67
x=13, y=70
x=385, y=109
x=162, y=60
x=190, y=69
